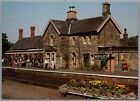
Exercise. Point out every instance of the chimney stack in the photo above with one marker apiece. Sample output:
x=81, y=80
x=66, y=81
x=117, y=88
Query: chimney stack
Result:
x=20, y=33
x=32, y=31
x=106, y=9
x=125, y=38
x=71, y=14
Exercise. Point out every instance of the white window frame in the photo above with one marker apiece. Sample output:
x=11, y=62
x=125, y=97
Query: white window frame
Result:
x=88, y=39
x=84, y=40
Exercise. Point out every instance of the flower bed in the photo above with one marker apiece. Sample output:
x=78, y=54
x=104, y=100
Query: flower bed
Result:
x=99, y=89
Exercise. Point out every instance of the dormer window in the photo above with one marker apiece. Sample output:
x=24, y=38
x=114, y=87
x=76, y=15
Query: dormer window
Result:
x=51, y=40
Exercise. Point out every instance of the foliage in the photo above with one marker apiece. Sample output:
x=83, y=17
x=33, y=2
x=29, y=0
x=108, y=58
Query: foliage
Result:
x=86, y=60
x=104, y=62
x=119, y=88
x=5, y=43
x=97, y=87
x=66, y=58
x=96, y=66
x=73, y=83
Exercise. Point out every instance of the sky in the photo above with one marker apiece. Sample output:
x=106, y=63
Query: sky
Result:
x=23, y=14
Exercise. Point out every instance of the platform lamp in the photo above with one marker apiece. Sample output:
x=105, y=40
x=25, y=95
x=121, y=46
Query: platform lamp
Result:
x=110, y=57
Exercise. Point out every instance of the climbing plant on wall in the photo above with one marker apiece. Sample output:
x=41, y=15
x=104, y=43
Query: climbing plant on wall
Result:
x=104, y=62
x=86, y=60
x=66, y=58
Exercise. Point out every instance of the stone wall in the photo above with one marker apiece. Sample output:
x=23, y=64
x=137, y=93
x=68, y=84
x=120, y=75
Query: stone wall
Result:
x=64, y=46
x=80, y=48
x=109, y=35
x=130, y=57
x=56, y=42
x=78, y=45
x=51, y=31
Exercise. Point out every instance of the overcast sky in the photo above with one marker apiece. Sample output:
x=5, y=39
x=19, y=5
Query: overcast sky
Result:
x=23, y=14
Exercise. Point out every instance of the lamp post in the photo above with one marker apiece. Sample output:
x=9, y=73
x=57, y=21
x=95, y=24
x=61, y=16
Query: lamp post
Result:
x=110, y=57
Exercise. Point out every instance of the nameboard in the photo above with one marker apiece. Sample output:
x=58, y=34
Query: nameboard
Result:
x=100, y=56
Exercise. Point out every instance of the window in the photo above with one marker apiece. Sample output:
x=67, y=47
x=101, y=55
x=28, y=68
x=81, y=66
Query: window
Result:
x=73, y=40
x=84, y=40
x=91, y=59
x=50, y=56
x=88, y=39
x=51, y=40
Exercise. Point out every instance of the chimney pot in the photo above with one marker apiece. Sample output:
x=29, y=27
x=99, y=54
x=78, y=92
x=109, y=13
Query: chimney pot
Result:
x=125, y=38
x=20, y=33
x=125, y=31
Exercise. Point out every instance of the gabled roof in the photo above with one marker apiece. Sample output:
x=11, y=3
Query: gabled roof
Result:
x=106, y=20
x=81, y=26
x=28, y=43
x=62, y=26
x=86, y=25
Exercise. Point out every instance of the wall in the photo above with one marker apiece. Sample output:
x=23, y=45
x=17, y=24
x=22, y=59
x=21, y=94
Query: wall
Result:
x=80, y=48
x=130, y=57
x=56, y=42
x=109, y=35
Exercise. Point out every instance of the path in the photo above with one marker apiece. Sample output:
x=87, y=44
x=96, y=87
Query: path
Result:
x=16, y=90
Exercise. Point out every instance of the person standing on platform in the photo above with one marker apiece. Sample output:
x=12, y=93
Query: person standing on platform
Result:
x=52, y=65
x=46, y=63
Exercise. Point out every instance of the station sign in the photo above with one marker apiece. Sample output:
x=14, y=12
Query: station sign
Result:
x=100, y=56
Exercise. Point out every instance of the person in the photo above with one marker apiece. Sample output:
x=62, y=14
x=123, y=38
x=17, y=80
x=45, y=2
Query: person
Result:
x=124, y=65
x=3, y=61
x=28, y=63
x=52, y=64
x=46, y=63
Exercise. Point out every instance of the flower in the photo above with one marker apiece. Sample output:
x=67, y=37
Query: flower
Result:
x=73, y=82
x=95, y=82
x=120, y=86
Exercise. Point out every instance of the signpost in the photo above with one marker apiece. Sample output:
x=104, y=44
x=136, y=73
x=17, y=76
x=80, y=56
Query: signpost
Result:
x=100, y=56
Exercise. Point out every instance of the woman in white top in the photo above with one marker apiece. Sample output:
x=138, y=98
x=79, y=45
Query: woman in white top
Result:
x=46, y=63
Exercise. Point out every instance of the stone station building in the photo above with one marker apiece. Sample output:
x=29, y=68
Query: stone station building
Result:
x=78, y=43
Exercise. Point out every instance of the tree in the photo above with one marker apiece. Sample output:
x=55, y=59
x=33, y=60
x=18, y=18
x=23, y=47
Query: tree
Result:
x=5, y=43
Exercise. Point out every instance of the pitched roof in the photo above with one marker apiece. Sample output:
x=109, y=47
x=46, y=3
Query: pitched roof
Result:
x=86, y=25
x=50, y=49
x=28, y=43
x=82, y=26
x=132, y=41
x=78, y=26
x=62, y=26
